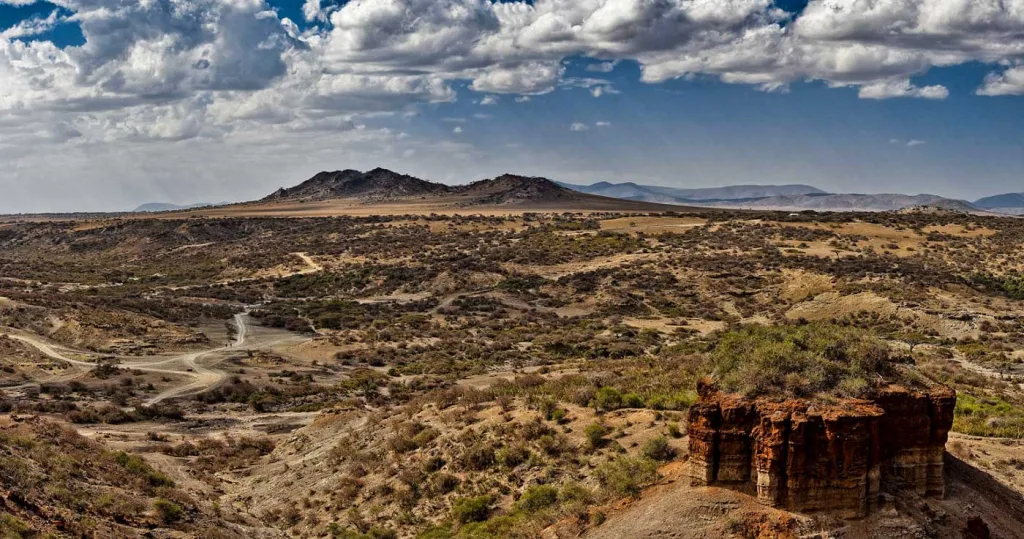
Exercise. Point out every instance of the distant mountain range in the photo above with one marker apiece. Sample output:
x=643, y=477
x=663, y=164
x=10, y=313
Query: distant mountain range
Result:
x=382, y=185
x=1011, y=203
x=795, y=197
x=164, y=206
x=673, y=195
x=385, y=186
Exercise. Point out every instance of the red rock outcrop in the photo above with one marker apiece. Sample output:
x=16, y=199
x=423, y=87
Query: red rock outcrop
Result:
x=804, y=456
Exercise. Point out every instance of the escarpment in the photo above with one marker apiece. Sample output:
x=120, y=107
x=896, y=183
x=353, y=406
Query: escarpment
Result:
x=805, y=456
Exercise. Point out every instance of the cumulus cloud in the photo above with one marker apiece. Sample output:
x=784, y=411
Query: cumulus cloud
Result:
x=1009, y=82
x=31, y=27
x=901, y=88
x=214, y=69
x=579, y=126
x=242, y=61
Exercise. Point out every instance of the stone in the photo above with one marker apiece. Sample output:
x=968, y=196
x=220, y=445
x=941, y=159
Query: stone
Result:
x=802, y=456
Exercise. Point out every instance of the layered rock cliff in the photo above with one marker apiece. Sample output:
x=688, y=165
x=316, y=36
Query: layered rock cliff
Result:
x=805, y=456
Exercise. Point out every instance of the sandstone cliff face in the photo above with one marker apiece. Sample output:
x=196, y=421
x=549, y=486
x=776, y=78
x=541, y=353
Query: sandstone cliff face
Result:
x=801, y=456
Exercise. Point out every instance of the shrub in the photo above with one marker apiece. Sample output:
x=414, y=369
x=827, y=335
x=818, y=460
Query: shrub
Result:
x=474, y=509
x=595, y=433
x=607, y=399
x=444, y=483
x=657, y=449
x=478, y=457
x=168, y=511
x=512, y=456
x=627, y=475
x=537, y=497
x=799, y=360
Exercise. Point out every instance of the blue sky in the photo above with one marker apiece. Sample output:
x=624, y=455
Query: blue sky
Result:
x=111, y=104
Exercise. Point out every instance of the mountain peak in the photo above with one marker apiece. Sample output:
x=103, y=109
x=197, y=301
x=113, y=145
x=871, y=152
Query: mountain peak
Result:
x=379, y=183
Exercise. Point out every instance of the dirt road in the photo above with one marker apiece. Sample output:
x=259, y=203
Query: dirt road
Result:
x=203, y=376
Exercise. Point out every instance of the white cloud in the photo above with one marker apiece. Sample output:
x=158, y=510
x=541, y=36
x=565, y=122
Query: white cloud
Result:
x=224, y=69
x=31, y=27
x=909, y=143
x=311, y=10
x=578, y=126
x=901, y=88
x=489, y=100
x=1009, y=82
x=457, y=130
x=603, y=124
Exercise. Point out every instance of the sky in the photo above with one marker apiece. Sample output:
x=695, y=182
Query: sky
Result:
x=108, y=104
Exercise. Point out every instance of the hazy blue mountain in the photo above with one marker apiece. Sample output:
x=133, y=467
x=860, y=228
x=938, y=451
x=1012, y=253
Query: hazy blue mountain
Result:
x=670, y=195
x=793, y=197
x=845, y=202
x=165, y=206
x=1011, y=203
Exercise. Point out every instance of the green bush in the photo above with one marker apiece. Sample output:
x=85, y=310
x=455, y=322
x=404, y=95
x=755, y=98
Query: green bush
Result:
x=632, y=400
x=13, y=527
x=607, y=399
x=475, y=509
x=988, y=416
x=168, y=511
x=512, y=456
x=537, y=497
x=657, y=449
x=799, y=360
x=627, y=475
x=595, y=433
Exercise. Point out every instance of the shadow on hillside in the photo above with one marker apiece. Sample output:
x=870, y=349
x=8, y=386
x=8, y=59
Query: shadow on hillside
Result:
x=993, y=500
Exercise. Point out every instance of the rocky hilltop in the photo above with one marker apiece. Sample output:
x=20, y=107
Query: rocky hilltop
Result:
x=802, y=456
x=510, y=188
x=385, y=186
x=378, y=183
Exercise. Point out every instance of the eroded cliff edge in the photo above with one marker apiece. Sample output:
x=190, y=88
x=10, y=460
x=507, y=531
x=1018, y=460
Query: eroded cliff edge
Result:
x=808, y=456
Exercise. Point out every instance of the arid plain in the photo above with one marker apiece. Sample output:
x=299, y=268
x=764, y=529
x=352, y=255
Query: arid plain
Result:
x=523, y=366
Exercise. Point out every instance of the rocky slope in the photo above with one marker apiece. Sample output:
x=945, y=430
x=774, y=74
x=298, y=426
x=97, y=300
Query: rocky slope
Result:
x=56, y=483
x=510, y=189
x=378, y=183
x=803, y=456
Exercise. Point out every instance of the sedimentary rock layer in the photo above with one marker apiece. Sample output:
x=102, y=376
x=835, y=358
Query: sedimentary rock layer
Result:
x=804, y=456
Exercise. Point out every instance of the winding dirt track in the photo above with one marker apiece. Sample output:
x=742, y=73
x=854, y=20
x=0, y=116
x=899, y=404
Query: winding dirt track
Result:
x=202, y=377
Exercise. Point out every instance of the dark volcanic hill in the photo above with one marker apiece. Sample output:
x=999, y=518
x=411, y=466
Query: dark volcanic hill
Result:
x=381, y=185
x=512, y=189
x=377, y=184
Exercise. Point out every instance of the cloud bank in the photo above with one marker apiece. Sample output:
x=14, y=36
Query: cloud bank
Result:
x=175, y=70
